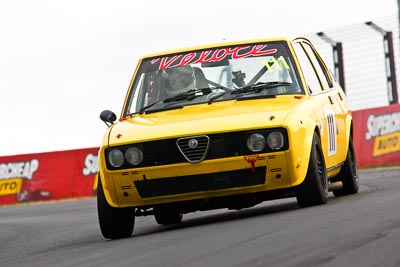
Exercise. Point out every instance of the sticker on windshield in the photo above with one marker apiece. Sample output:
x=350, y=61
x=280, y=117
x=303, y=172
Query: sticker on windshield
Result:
x=214, y=55
x=276, y=63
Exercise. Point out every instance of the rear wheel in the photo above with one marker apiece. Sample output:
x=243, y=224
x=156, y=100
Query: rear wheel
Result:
x=166, y=216
x=314, y=190
x=348, y=174
x=114, y=222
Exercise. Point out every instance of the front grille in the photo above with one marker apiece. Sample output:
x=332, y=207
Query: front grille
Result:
x=200, y=182
x=194, y=148
x=177, y=150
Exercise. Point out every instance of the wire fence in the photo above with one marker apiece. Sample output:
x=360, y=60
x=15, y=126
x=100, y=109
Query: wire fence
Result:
x=364, y=60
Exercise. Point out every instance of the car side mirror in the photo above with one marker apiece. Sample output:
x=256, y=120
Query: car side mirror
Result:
x=108, y=117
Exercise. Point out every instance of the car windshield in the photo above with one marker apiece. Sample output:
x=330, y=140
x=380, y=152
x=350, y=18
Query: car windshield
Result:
x=213, y=74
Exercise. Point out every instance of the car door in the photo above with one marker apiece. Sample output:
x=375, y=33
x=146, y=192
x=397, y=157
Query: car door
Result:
x=331, y=117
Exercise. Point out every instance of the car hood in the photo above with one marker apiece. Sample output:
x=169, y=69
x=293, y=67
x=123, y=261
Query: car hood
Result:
x=203, y=118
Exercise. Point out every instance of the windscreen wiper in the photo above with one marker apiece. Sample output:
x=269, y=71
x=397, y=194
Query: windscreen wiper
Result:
x=258, y=87
x=187, y=95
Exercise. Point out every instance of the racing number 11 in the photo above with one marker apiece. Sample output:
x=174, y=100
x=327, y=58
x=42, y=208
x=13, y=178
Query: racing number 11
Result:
x=274, y=61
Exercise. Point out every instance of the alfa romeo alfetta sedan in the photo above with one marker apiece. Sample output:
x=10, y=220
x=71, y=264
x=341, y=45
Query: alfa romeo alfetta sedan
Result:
x=225, y=126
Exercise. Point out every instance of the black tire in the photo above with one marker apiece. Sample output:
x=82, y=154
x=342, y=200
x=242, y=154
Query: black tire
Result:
x=314, y=190
x=165, y=216
x=348, y=174
x=114, y=223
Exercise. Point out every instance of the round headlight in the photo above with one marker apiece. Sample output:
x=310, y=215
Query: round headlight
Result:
x=275, y=140
x=134, y=155
x=256, y=142
x=116, y=158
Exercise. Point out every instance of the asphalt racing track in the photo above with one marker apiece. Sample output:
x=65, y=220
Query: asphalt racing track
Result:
x=356, y=230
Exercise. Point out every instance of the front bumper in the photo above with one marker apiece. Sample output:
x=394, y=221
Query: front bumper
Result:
x=190, y=181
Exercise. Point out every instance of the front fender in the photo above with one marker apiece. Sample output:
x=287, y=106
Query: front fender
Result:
x=300, y=143
x=107, y=182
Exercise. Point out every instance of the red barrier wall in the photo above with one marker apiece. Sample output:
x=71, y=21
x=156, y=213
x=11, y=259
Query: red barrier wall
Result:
x=377, y=136
x=73, y=173
x=48, y=176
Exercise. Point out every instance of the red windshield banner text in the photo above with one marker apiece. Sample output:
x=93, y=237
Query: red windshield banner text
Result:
x=209, y=56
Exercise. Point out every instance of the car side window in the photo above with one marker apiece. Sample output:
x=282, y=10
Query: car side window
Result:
x=312, y=80
x=317, y=63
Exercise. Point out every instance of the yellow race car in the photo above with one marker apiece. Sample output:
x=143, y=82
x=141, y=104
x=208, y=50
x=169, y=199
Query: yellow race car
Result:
x=225, y=126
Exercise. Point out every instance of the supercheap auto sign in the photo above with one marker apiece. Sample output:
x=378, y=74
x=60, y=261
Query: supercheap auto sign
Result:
x=385, y=129
x=48, y=176
x=12, y=175
x=377, y=136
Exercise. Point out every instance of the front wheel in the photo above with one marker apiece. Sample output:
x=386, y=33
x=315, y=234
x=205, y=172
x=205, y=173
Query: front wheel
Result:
x=114, y=222
x=348, y=174
x=314, y=190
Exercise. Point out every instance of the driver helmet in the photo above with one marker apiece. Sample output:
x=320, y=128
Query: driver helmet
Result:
x=179, y=80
